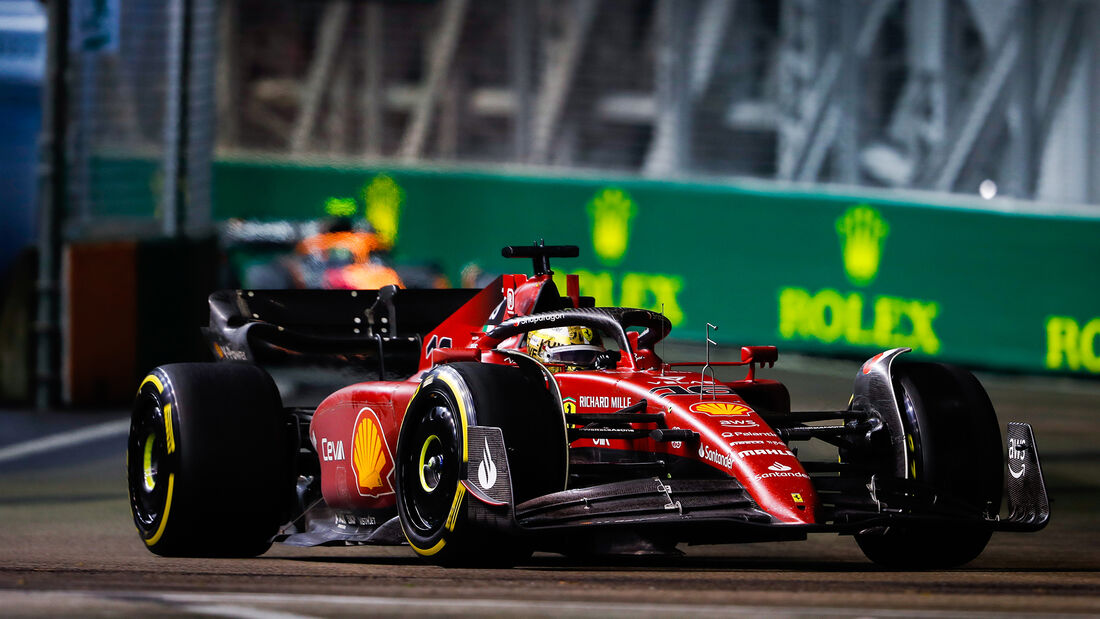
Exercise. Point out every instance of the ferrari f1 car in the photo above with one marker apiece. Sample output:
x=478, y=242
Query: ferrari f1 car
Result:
x=453, y=436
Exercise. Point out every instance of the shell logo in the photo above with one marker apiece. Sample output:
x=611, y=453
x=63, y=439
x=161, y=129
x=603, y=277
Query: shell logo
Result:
x=368, y=456
x=719, y=408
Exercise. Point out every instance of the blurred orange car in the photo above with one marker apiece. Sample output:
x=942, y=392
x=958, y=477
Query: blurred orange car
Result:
x=343, y=260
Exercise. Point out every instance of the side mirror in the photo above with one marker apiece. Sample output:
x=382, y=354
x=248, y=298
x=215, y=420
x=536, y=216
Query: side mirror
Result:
x=608, y=359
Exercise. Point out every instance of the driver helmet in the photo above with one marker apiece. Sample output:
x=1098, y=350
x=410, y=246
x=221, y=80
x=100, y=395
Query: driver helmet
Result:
x=575, y=348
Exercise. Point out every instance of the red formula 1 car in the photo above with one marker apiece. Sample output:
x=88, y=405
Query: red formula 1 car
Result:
x=458, y=434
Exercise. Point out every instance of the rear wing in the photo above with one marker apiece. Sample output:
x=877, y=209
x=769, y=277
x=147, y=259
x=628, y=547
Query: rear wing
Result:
x=374, y=330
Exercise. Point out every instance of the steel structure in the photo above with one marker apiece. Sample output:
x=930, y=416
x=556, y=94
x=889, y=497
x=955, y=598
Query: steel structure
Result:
x=996, y=96
x=926, y=94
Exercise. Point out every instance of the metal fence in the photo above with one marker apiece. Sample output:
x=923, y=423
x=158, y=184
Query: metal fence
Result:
x=140, y=89
x=997, y=97
x=989, y=97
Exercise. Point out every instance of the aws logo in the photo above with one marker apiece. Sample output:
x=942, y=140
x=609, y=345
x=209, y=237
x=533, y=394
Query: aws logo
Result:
x=371, y=459
x=830, y=316
x=383, y=198
x=719, y=408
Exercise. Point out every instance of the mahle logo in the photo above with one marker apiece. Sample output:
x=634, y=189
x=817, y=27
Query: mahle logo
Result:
x=611, y=211
x=383, y=197
x=862, y=231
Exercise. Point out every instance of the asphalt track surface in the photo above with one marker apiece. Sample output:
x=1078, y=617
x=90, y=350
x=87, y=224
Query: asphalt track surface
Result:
x=68, y=546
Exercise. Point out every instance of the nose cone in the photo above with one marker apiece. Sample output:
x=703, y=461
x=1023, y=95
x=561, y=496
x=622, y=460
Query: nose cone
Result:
x=785, y=491
x=776, y=480
x=743, y=446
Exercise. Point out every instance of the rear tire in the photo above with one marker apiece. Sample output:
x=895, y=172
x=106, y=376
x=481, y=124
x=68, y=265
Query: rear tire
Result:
x=432, y=454
x=207, y=460
x=954, y=444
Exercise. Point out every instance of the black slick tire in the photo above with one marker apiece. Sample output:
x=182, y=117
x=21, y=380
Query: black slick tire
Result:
x=954, y=444
x=433, y=450
x=208, y=464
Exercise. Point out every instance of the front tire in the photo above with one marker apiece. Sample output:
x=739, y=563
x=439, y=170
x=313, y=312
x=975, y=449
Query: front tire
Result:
x=433, y=454
x=207, y=462
x=954, y=444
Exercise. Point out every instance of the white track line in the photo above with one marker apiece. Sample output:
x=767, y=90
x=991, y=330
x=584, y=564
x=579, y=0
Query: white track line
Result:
x=65, y=439
x=241, y=612
x=255, y=606
x=559, y=607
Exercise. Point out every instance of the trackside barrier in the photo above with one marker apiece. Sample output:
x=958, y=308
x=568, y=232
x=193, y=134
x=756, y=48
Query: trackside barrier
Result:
x=809, y=271
x=130, y=306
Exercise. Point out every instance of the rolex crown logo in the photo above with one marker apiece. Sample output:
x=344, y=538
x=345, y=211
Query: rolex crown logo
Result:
x=368, y=457
x=383, y=197
x=611, y=211
x=862, y=231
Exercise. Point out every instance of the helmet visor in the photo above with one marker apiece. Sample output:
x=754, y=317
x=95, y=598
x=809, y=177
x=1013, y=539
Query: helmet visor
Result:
x=577, y=354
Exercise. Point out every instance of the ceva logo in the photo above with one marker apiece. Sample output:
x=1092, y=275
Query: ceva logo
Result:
x=862, y=232
x=611, y=212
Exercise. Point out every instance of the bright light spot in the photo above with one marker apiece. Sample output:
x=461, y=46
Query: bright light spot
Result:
x=988, y=189
x=340, y=207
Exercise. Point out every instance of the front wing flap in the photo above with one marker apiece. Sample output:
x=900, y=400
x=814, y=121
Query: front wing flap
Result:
x=1028, y=504
x=656, y=502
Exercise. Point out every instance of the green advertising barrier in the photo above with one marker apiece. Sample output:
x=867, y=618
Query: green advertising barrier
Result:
x=807, y=271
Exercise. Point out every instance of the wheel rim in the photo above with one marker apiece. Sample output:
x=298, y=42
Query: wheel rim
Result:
x=149, y=464
x=432, y=461
x=145, y=462
x=912, y=436
x=430, y=476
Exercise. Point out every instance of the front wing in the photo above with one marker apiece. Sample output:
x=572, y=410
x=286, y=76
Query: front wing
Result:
x=720, y=510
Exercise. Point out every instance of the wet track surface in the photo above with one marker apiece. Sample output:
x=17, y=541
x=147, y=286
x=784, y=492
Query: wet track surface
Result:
x=67, y=544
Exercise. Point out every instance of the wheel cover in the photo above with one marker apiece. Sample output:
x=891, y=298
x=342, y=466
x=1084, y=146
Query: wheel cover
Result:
x=429, y=474
x=149, y=464
x=431, y=463
x=146, y=459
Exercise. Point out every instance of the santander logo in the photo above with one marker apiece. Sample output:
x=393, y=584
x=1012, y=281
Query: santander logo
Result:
x=777, y=467
x=713, y=455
